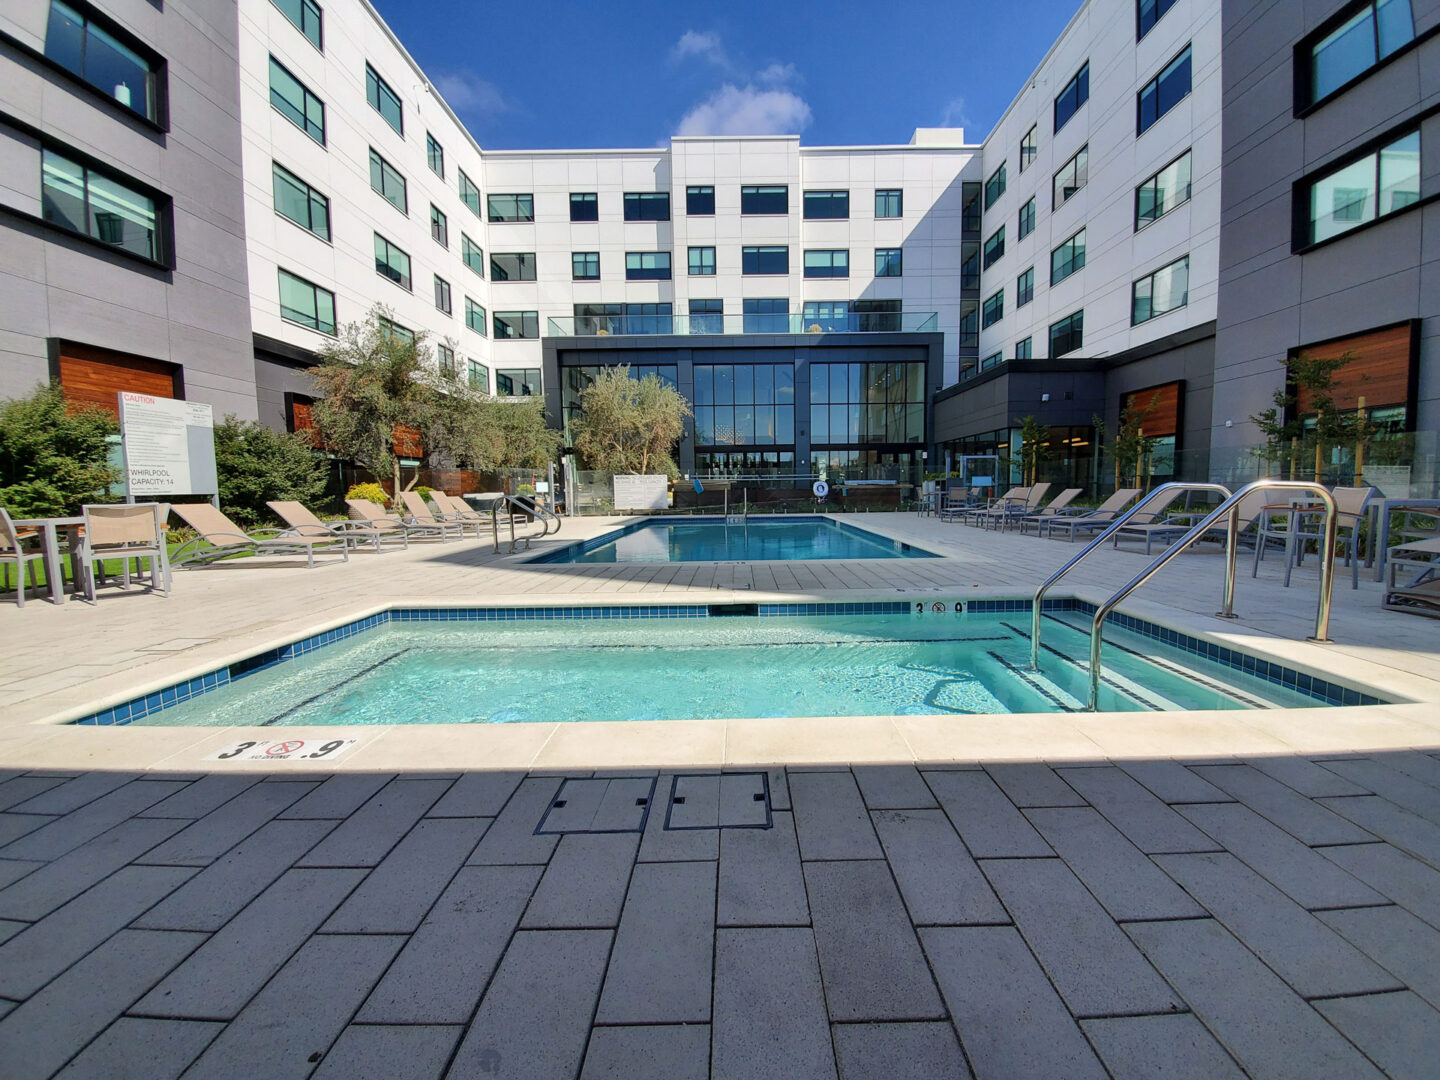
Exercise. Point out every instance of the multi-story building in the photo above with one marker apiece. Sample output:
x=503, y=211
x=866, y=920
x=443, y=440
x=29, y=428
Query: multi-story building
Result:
x=200, y=195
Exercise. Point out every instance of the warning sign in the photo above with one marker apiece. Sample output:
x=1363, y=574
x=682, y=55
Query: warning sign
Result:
x=288, y=750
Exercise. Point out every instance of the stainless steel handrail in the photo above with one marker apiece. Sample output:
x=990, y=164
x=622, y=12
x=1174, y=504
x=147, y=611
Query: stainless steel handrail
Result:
x=543, y=514
x=1110, y=530
x=1230, y=506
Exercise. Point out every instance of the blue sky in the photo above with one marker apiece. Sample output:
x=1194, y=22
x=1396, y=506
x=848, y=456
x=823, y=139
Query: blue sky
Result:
x=545, y=74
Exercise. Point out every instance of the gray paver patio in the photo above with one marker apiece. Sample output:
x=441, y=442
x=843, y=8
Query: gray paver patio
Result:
x=756, y=957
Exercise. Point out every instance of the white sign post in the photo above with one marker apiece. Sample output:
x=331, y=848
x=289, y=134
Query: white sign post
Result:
x=169, y=446
x=641, y=492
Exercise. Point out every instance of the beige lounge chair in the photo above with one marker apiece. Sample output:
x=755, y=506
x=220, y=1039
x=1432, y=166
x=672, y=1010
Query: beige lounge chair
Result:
x=1056, y=505
x=17, y=547
x=302, y=522
x=1005, y=509
x=459, y=510
x=226, y=539
x=1016, y=496
x=124, y=531
x=1419, y=590
x=1093, y=521
x=377, y=518
x=422, y=516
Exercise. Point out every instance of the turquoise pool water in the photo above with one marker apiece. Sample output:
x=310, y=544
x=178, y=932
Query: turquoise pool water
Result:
x=682, y=668
x=759, y=540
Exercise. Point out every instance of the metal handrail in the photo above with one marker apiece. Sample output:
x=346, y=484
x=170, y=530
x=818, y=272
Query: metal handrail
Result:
x=1110, y=530
x=1230, y=506
x=543, y=514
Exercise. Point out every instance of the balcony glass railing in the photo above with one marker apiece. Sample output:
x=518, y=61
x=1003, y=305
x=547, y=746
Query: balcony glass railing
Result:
x=880, y=322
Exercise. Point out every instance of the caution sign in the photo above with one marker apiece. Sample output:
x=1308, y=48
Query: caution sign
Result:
x=286, y=750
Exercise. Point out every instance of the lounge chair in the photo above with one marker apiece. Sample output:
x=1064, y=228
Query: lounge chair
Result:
x=124, y=531
x=301, y=522
x=1006, y=509
x=17, y=547
x=1294, y=525
x=421, y=516
x=1419, y=590
x=1057, y=506
x=1016, y=496
x=1172, y=526
x=458, y=512
x=376, y=517
x=1097, y=520
x=226, y=539
x=958, y=502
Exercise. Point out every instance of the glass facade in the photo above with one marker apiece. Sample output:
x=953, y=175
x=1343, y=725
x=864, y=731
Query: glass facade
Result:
x=707, y=316
x=860, y=404
x=744, y=405
x=767, y=316
x=93, y=204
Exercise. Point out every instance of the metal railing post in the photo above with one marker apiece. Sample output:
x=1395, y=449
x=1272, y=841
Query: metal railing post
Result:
x=1232, y=554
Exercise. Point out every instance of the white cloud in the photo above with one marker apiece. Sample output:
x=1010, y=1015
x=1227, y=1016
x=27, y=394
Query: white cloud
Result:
x=704, y=44
x=747, y=110
x=953, y=114
x=466, y=91
x=777, y=75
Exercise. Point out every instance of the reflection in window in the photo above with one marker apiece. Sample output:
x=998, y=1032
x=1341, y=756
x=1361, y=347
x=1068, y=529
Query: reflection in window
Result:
x=765, y=260
x=875, y=316
x=1067, y=258
x=969, y=265
x=90, y=203
x=585, y=265
x=516, y=324
x=1068, y=334
x=827, y=264
x=517, y=382
x=867, y=403
x=774, y=199
x=1163, y=92
x=1358, y=44
x=1149, y=13
x=302, y=204
x=306, y=16
x=647, y=266
x=1027, y=218
x=1025, y=288
x=767, y=316
x=97, y=56
x=700, y=201
x=1378, y=184
x=994, y=247
x=826, y=205
x=889, y=262
x=386, y=179
x=702, y=261
x=1164, y=191
x=890, y=203
x=512, y=266
x=826, y=316
x=442, y=294
x=439, y=226
x=1071, y=177
x=472, y=255
x=1029, y=147
x=479, y=377
x=435, y=156
x=1165, y=290
x=469, y=193
x=584, y=206
x=971, y=192
x=391, y=262
x=993, y=310
x=475, y=316
x=383, y=99
x=306, y=304
x=511, y=207
x=647, y=206
x=445, y=359
x=744, y=404
x=294, y=101
x=707, y=316
x=995, y=186
x=1075, y=94
x=1024, y=348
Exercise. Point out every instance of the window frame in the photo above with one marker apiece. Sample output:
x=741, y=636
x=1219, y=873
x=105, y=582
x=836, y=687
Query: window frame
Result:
x=1304, y=56
x=311, y=194
x=828, y=268
x=1189, y=189
x=638, y=205
x=1186, y=55
x=163, y=207
x=1301, y=240
x=499, y=275
x=1150, y=277
x=484, y=382
x=471, y=308
x=894, y=262
x=1024, y=287
x=445, y=360
x=1069, y=323
x=1082, y=75
x=466, y=187
x=590, y=199
x=1055, y=202
x=1025, y=224
x=751, y=255
x=434, y=150
x=304, y=5
x=992, y=309
x=304, y=112
x=1071, y=269
x=1029, y=147
x=828, y=196
x=690, y=261
x=516, y=196
x=467, y=247
x=755, y=190
x=158, y=74
x=526, y=319
x=653, y=272
x=1029, y=343
x=439, y=224
x=378, y=160
x=391, y=247
x=442, y=289
x=584, y=260
x=281, y=274
x=699, y=191
x=1160, y=7
x=993, y=249
x=374, y=80
x=998, y=181
x=899, y=200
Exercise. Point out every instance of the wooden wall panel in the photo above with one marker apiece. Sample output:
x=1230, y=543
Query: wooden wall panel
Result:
x=1165, y=418
x=95, y=376
x=1380, y=372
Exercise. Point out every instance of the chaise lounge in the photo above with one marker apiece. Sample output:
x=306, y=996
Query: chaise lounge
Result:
x=227, y=540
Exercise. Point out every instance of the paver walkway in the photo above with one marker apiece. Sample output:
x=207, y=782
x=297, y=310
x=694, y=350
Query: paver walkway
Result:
x=1272, y=918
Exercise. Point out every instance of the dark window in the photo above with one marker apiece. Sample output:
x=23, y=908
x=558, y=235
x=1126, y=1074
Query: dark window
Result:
x=702, y=261
x=993, y=310
x=774, y=199
x=1072, y=176
x=768, y=316
x=700, y=201
x=585, y=265
x=384, y=100
x=1075, y=94
x=435, y=156
x=446, y=358
x=823, y=264
x=765, y=260
x=1164, y=92
x=512, y=266
x=390, y=328
x=294, y=101
x=469, y=193
x=92, y=51
x=511, y=207
x=867, y=403
x=647, y=266
x=1355, y=46
x=826, y=316
x=306, y=16
x=969, y=334
x=391, y=262
x=1067, y=258
x=439, y=226
x=647, y=206
x=994, y=247
x=707, y=316
x=1165, y=290
x=94, y=204
x=386, y=179
x=1380, y=183
x=889, y=262
x=584, y=206
x=471, y=254
x=517, y=324
x=970, y=192
x=517, y=382
x=827, y=204
x=1023, y=349
x=479, y=376
x=970, y=265
x=995, y=186
x=876, y=316
x=591, y=319
x=1068, y=334
x=649, y=318
x=890, y=203
x=1162, y=192
x=1029, y=147
x=306, y=304
x=475, y=316
x=1027, y=218
x=1148, y=13
x=1025, y=288
x=302, y=204
x=442, y=294
x=991, y=360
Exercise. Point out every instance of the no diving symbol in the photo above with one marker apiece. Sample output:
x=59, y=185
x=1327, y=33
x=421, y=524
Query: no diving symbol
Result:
x=280, y=749
x=938, y=607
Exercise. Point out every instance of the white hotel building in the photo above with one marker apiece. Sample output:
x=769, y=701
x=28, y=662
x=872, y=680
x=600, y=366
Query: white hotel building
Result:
x=288, y=166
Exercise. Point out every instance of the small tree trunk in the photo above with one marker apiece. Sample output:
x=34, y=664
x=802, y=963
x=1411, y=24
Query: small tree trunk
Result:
x=395, y=466
x=1319, y=455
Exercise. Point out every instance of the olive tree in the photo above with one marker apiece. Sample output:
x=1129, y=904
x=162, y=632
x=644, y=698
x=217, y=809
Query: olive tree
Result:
x=628, y=425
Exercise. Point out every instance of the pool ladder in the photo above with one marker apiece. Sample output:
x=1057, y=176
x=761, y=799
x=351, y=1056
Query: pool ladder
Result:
x=1229, y=508
x=520, y=509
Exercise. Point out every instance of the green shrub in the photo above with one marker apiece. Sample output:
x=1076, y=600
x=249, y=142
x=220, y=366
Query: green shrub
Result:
x=53, y=456
x=371, y=491
x=423, y=492
x=257, y=464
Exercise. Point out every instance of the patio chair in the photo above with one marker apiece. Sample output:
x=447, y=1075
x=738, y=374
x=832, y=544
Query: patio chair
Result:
x=1057, y=505
x=301, y=522
x=1095, y=521
x=1419, y=591
x=124, y=531
x=226, y=539
x=423, y=517
x=1301, y=520
x=1016, y=496
x=959, y=502
x=18, y=548
x=463, y=512
x=377, y=517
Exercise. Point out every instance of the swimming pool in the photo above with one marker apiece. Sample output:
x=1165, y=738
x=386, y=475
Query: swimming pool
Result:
x=689, y=663
x=768, y=539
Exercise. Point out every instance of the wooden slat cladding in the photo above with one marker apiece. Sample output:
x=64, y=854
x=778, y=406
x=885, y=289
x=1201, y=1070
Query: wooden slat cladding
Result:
x=1164, y=418
x=95, y=376
x=407, y=442
x=1380, y=372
